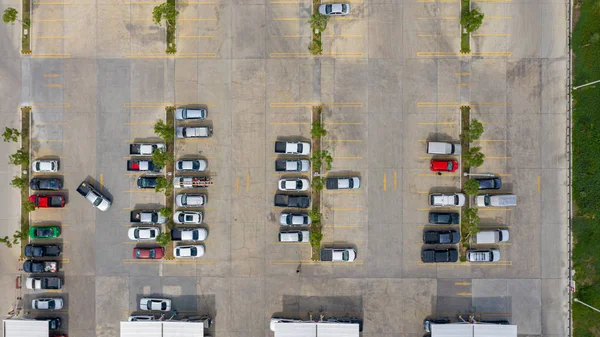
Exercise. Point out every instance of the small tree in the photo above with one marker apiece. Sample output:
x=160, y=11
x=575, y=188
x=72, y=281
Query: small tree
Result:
x=473, y=132
x=165, y=11
x=21, y=157
x=167, y=212
x=471, y=187
x=317, y=129
x=315, y=215
x=5, y=240
x=315, y=47
x=28, y=206
x=161, y=157
x=164, y=130
x=471, y=20
x=10, y=15
x=318, y=183
x=473, y=157
x=11, y=135
x=318, y=22
x=470, y=223
x=163, y=239
x=19, y=182
x=19, y=236
x=315, y=239
x=328, y=159
x=163, y=185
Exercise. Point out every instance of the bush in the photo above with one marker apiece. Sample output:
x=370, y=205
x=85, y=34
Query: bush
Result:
x=471, y=20
x=11, y=135
x=167, y=212
x=163, y=239
x=315, y=215
x=469, y=223
x=10, y=15
x=315, y=47
x=5, y=240
x=315, y=239
x=166, y=11
x=471, y=187
x=317, y=129
x=473, y=132
x=19, y=182
x=163, y=185
x=28, y=206
x=21, y=157
x=318, y=22
x=161, y=157
x=164, y=131
x=318, y=183
x=317, y=160
x=473, y=157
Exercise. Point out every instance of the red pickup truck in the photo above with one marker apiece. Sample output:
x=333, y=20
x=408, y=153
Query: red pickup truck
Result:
x=47, y=201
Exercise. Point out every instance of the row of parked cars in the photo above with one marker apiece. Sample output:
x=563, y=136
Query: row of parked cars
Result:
x=444, y=237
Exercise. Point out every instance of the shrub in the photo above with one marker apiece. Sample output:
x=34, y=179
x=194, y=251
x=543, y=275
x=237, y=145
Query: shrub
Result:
x=161, y=157
x=470, y=223
x=315, y=47
x=315, y=215
x=471, y=20
x=318, y=183
x=165, y=131
x=317, y=129
x=166, y=11
x=10, y=15
x=163, y=185
x=28, y=206
x=19, y=182
x=21, y=157
x=167, y=212
x=473, y=157
x=473, y=132
x=471, y=187
x=163, y=238
x=11, y=135
x=318, y=22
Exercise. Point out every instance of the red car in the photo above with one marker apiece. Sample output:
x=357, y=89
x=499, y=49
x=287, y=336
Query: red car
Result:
x=46, y=201
x=437, y=165
x=148, y=253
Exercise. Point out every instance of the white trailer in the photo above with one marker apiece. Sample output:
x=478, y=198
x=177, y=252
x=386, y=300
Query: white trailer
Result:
x=25, y=328
x=472, y=330
x=293, y=328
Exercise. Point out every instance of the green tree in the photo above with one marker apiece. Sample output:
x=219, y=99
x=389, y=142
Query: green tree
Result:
x=19, y=182
x=164, y=130
x=473, y=157
x=473, y=132
x=161, y=157
x=328, y=159
x=21, y=157
x=318, y=22
x=28, y=206
x=315, y=238
x=166, y=11
x=315, y=47
x=167, y=212
x=470, y=223
x=471, y=20
x=5, y=240
x=163, y=238
x=317, y=129
x=19, y=236
x=10, y=15
x=11, y=135
x=163, y=185
x=314, y=215
x=471, y=187
x=318, y=183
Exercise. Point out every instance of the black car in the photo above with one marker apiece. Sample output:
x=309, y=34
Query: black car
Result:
x=439, y=255
x=147, y=182
x=42, y=251
x=443, y=218
x=489, y=183
x=45, y=184
x=441, y=237
x=53, y=322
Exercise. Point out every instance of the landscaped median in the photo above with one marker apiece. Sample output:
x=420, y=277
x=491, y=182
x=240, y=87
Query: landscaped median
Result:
x=470, y=21
x=10, y=16
x=318, y=23
x=168, y=12
x=586, y=160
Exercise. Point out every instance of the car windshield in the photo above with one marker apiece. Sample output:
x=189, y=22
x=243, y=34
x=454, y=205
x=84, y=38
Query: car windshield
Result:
x=51, y=304
x=97, y=201
x=328, y=9
x=193, y=251
x=184, y=199
x=163, y=306
x=443, y=218
x=44, y=232
x=344, y=8
x=449, y=168
x=195, y=235
x=298, y=184
x=486, y=199
x=196, y=165
x=189, y=218
x=152, y=253
x=345, y=256
x=38, y=166
x=138, y=253
x=147, y=182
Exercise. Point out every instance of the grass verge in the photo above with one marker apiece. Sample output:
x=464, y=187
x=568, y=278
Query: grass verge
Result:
x=465, y=46
x=169, y=200
x=315, y=228
x=465, y=117
x=26, y=18
x=586, y=160
x=171, y=29
x=25, y=122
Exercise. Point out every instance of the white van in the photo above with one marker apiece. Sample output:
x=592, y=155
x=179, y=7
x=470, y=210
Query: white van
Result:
x=294, y=236
x=498, y=200
x=489, y=255
x=443, y=148
x=491, y=236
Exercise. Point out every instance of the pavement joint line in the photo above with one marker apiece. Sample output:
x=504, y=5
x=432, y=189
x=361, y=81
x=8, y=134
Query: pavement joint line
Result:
x=499, y=17
x=498, y=157
x=311, y=104
x=314, y=262
x=342, y=140
x=197, y=140
x=343, y=226
x=290, y=19
x=435, y=35
x=140, y=123
x=140, y=191
x=467, y=264
x=190, y=19
x=289, y=123
x=437, y=104
x=494, y=209
x=348, y=157
x=344, y=19
x=340, y=54
x=342, y=192
x=539, y=184
x=197, y=36
x=491, y=35
x=50, y=20
x=51, y=140
x=51, y=56
x=451, y=18
x=345, y=209
x=51, y=3
x=344, y=35
x=437, y=123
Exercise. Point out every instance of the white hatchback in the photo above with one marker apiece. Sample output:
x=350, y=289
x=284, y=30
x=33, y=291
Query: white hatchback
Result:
x=334, y=9
x=143, y=233
x=40, y=166
x=296, y=184
x=182, y=252
x=195, y=165
x=155, y=304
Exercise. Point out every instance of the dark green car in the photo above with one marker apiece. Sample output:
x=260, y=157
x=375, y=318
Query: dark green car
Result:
x=44, y=232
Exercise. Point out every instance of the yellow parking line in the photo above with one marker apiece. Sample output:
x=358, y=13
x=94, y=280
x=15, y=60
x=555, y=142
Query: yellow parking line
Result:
x=179, y=55
x=348, y=157
x=539, y=183
x=450, y=104
x=51, y=75
x=194, y=19
x=289, y=36
x=462, y=283
x=435, y=35
x=437, y=123
x=247, y=181
x=340, y=54
x=462, y=74
x=289, y=123
x=346, y=209
x=50, y=20
x=464, y=294
x=237, y=184
x=313, y=262
x=50, y=37
x=51, y=56
x=465, y=84
x=197, y=37
x=492, y=35
x=395, y=179
x=101, y=181
x=384, y=182
x=343, y=140
x=53, y=85
x=451, y=18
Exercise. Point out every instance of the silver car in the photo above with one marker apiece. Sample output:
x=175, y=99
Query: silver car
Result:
x=187, y=114
x=195, y=165
x=47, y=304
x=190, y=200
x=335, y=9
x=294, y=219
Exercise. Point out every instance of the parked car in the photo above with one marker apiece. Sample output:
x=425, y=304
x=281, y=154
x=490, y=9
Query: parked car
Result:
x=43, y=283
x=488, y=255
x=154, y=253
x=447, y=200
x=299, y=201
x=45, y=184
x=493, y=183
x=44, y=166
x=190, y=200
x=147, y=182
x=441, y=237
x=191, y=182
x=54, y=323
x=298, y=148
x=155, y=304
x=145, y=149
x=40, y=267
x=47, y=201
x=42, y=251
x=295, y=184
x=498, y=200
x=491, y=236
x=182, y=114
x=194, y=132
x=342, y=183
x=142, y=165
x=439, y=255
x=189, y=234
x=196, y=165
x=292, y=165
x=188, y=251
x=48, y=232
x=91, y=194
x=334, y=9
x=149, y=216
x=294, y=219
x=143, y=233
x=141, y=318
x=338, y=254
x=188, y=217
x=439, y=165
x=294, y=236
x=444, y=218
x=443, y=148
x=55, y=303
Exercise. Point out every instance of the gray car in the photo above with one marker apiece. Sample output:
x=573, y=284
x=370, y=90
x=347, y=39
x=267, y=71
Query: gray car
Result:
x=334, y=9
x=190, y=114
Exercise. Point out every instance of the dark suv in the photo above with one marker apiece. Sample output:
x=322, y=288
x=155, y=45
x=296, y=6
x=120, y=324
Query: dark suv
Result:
x=443, y=218
x=439, y=255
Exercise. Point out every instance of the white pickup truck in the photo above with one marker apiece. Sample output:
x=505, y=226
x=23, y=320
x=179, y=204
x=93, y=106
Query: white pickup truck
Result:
x=338, y=254
x=446, y=200
x=93, y=196
x=298, y=148
x=145, y=149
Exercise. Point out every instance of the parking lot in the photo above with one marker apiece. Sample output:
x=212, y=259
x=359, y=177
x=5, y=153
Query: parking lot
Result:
x=390, y=79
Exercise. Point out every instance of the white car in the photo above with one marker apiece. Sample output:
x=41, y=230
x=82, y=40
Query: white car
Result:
x=486, y=255
x=40, y=166
x=335, y=9
x=186, y=114
x=190, y=200
x=294, y=219
x=188, y=218
x=47, y=304
x=196, y=165
x=181, y=252
x=155, y=304
x=446, y=200
x=296, y=184
x=194, y=132
x=189, y=234
x=143, y=233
